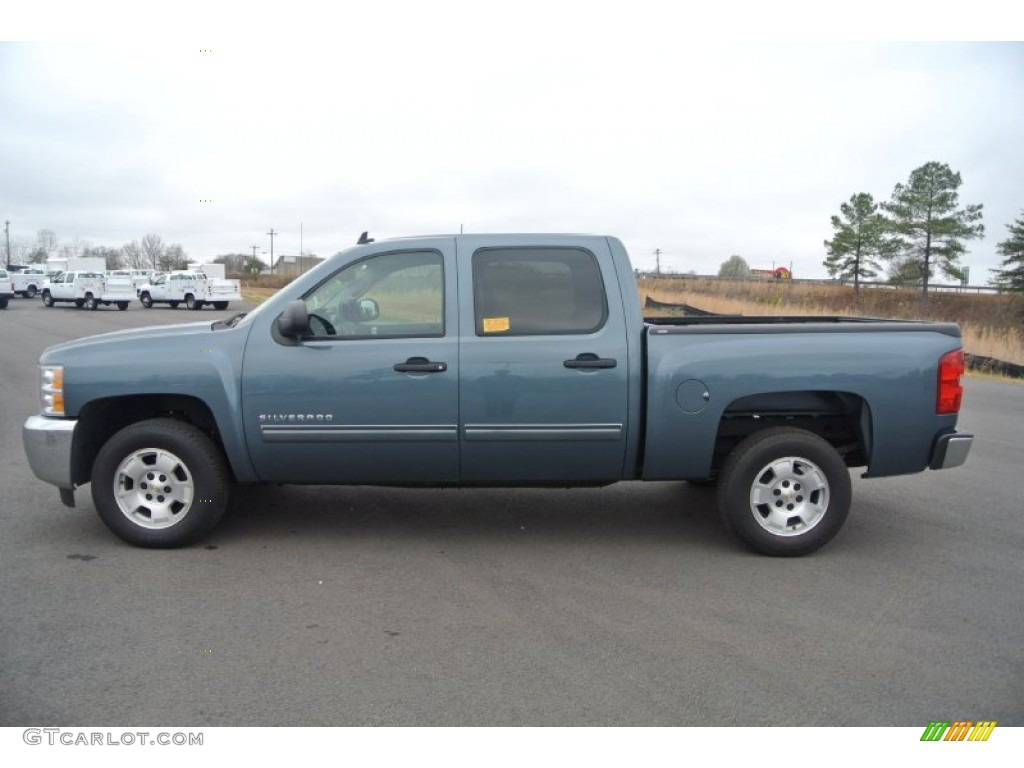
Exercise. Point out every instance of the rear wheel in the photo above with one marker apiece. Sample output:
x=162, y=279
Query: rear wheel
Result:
x=160, y=483
x=122, y=305
x=91, y=302
x=190, y=301
x=30, y=293
x=3, y=303
x=220, y=305
x=784, y=492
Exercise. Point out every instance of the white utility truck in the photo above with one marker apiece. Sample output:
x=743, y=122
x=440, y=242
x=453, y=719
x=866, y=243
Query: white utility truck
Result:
x=194, y=289
x=88, y=289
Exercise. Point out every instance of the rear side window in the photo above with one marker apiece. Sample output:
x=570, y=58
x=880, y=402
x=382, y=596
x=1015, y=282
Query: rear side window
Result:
x=537, y=291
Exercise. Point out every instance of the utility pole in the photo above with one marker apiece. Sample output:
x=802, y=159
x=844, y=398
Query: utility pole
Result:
x=657, y=261
x=254, y=247
x=272, y=233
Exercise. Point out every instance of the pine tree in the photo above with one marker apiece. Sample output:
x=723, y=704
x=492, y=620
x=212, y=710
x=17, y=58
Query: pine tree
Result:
x=929, y=224
x=860, y=241
x=1011, y=277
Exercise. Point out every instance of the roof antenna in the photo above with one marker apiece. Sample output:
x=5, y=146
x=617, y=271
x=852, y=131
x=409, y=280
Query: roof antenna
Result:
x=364, y=239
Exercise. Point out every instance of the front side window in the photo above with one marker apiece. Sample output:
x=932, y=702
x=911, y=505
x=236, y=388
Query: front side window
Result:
x=537, y=291
x=392, y=294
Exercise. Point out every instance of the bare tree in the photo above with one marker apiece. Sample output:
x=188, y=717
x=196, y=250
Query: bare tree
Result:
x=134, y=258
x=173, y=257
x=153, y=249
x=45, y=246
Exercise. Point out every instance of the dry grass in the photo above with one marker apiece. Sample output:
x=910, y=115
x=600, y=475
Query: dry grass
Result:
x=991, y=324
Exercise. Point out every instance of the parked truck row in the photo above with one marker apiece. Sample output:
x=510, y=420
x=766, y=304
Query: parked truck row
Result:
x=85, y=283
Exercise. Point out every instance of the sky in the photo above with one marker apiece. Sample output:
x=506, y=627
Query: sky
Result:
x=699, y=136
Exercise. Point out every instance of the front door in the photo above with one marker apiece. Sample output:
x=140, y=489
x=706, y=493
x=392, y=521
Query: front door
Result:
x=371, y=396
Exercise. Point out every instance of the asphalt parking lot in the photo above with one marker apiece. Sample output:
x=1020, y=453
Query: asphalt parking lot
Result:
x=628, y=605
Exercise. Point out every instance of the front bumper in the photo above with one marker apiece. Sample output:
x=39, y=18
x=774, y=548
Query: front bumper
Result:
x=48, y=445
x=951, y=450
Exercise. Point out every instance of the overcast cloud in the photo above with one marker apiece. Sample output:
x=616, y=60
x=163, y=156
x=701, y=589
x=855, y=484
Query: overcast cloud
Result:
x=501, y=123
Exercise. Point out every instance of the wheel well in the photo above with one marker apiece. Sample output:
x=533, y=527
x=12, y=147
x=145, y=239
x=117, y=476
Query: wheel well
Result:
x=841, y=418
x=98, y=421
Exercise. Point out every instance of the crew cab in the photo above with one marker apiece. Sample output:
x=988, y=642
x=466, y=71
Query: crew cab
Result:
x=195, y=289
x=87, y=289
x=494, y=360
x=6, y=288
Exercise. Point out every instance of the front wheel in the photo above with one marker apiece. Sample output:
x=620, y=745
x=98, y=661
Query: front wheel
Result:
x=3, y=303
x=146, y=299
x=47, y=299
x=173, y=304
x=160, y=483
x=784, y=492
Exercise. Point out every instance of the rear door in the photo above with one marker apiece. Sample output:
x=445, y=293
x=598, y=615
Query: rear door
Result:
x=544, y=384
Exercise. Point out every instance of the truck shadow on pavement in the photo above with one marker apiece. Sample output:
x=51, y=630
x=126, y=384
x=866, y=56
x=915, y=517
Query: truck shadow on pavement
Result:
x=623, y=512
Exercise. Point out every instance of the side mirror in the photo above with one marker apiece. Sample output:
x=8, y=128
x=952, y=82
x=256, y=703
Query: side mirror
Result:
x=368, y=310
x=294, y=321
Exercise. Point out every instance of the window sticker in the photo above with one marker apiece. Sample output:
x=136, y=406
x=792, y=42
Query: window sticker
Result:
x=496, y=324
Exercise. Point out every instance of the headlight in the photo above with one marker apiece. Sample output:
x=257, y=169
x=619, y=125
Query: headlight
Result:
x=51, y=390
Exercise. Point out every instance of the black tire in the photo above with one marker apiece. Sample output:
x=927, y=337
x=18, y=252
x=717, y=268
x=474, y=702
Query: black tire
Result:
x=47, y=299
x=221, y=305
x=146, y=300
x=190, y=301
x=173, y=304
x=181, y=468
x=792, y=508
x=122, y=305
x=30, y=292
x=3, y=303
x=707, y=482
x=91, y=302
x=79, y=303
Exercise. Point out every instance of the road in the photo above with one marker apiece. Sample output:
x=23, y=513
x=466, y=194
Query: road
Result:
x=628, y=605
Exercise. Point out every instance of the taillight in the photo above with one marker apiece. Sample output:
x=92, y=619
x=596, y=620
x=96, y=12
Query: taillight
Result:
x=951, y=367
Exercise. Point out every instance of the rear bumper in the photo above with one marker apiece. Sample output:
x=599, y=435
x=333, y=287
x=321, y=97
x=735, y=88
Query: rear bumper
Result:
x=48, y=444
x=951, y=450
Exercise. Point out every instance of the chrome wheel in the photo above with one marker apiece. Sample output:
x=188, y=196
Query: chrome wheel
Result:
x=153, y=488
x=784, y=491
x=789, y=496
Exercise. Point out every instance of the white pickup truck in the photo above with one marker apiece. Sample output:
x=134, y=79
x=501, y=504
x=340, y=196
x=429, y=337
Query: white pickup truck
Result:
x=27, y=282
x=6, y=288
x=195, y=289
x=88, y=289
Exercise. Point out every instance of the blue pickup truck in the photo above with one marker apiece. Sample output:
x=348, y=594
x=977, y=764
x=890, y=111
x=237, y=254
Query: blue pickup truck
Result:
x=494, y=360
